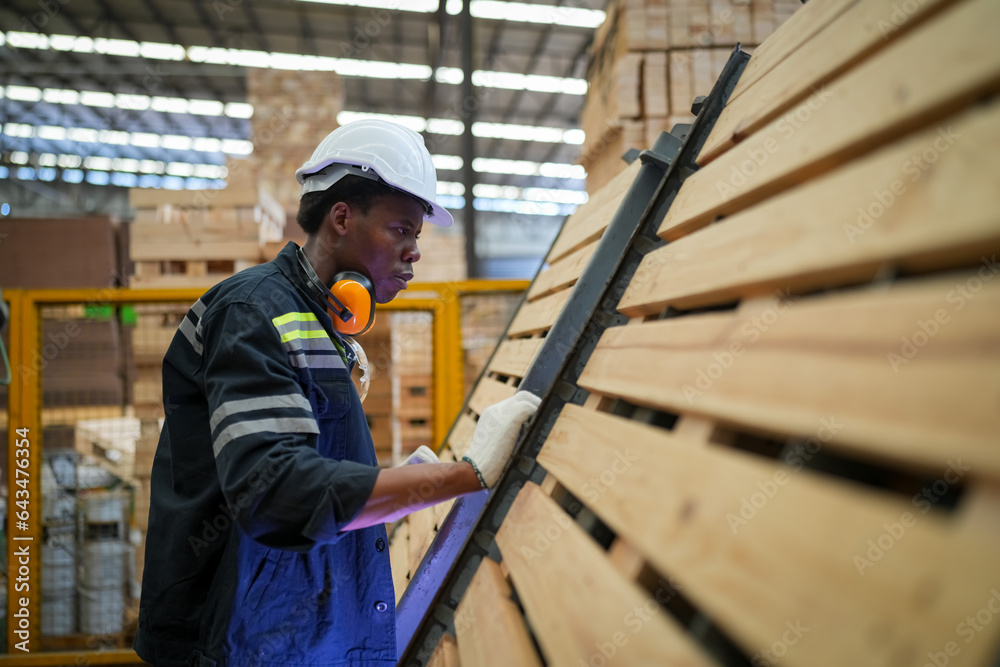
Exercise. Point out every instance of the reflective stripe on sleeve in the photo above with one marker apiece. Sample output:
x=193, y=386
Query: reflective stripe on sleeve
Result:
x=271, y=425
x=188, y=329
x=258, y=403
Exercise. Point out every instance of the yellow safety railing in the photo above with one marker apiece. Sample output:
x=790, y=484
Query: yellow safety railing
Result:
x=24, y=431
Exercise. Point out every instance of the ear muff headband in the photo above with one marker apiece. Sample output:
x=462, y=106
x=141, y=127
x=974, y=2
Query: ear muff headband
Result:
x=352, y=303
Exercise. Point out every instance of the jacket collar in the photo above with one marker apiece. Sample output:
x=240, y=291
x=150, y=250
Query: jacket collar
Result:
x=301, y=277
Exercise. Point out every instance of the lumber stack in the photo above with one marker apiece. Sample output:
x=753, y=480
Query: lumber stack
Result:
x=412, y=369
x=484, y=319
x=442, y=255
x=650, y=59
x=293, y=111
x=377, y=344
x=195, y=238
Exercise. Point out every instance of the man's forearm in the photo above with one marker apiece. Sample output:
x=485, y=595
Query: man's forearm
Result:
x=404, y=490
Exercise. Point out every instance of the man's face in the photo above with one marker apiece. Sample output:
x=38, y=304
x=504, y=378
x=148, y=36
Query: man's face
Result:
x=383, y=244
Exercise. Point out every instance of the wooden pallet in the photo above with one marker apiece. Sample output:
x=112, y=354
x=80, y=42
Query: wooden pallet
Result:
x=790, y=447
x=195, y=238
x=649, y=61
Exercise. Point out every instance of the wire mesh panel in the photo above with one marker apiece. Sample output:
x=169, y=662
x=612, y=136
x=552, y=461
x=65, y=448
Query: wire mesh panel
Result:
x=412, y=384
x=485, y=317
x=377, y=345
x=101, y=412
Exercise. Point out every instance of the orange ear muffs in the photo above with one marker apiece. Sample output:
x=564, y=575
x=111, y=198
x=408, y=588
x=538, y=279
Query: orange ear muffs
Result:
x=353, y=304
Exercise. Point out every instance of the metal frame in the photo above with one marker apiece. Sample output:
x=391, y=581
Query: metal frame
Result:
x=443, y=300
x=468, y=534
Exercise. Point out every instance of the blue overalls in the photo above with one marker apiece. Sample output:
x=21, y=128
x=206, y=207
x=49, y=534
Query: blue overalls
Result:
x=264, y=457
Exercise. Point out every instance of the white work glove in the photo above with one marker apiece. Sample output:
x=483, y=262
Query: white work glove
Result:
x=423, y=454
x=496, y=434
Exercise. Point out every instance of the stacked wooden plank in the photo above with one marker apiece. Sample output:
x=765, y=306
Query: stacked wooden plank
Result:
x=293, y=111
x=195, y=238
x=412, y=358
x=484, y=319
x=377, y=344
x=650, y=59
x=787, y=453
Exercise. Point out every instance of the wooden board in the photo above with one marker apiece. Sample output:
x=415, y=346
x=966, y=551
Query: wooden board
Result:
x=932, y=71
x=912, y=371
x=399, y=551
x=489, y=626
x=787, y=39
x=540, y=315
x=445, y=653
x=461, y=435
x=562, y=273
x=144, y=234
x=488, y=392
x=798, y=557
x=421, y=535
x=226, y=197
x=590, y=220
x=197, y=250
x=854, y=35
x=576, y=602
x=894, y=208
x=514, y=357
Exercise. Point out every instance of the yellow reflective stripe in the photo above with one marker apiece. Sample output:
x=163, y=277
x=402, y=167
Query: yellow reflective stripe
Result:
x=293, y=317
x=299, y=333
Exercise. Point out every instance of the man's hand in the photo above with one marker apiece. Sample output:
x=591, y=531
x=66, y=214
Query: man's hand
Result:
x=496, y=434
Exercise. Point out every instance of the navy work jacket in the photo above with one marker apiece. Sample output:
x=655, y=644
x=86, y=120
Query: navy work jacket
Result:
x=264, y=457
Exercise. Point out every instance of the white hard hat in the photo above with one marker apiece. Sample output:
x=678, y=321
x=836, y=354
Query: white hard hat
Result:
x=395, y=154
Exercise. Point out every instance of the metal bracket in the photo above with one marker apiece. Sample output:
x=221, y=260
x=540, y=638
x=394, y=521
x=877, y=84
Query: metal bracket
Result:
x=669, y=147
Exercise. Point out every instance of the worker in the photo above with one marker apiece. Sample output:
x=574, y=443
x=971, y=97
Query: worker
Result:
x=266, y=542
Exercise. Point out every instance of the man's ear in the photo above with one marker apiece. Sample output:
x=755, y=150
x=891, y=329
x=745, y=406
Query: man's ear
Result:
x=338, y=217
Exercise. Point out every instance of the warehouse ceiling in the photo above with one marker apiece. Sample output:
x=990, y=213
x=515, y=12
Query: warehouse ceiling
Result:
x=158, y=69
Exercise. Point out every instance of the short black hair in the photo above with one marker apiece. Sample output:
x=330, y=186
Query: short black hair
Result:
x=357, y=192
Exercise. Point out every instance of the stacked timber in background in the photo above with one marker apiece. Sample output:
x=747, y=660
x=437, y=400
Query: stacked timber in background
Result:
x=195, y=238
x=377, y=344
x=293, y=111
x=650, y=59
x=411, y=377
